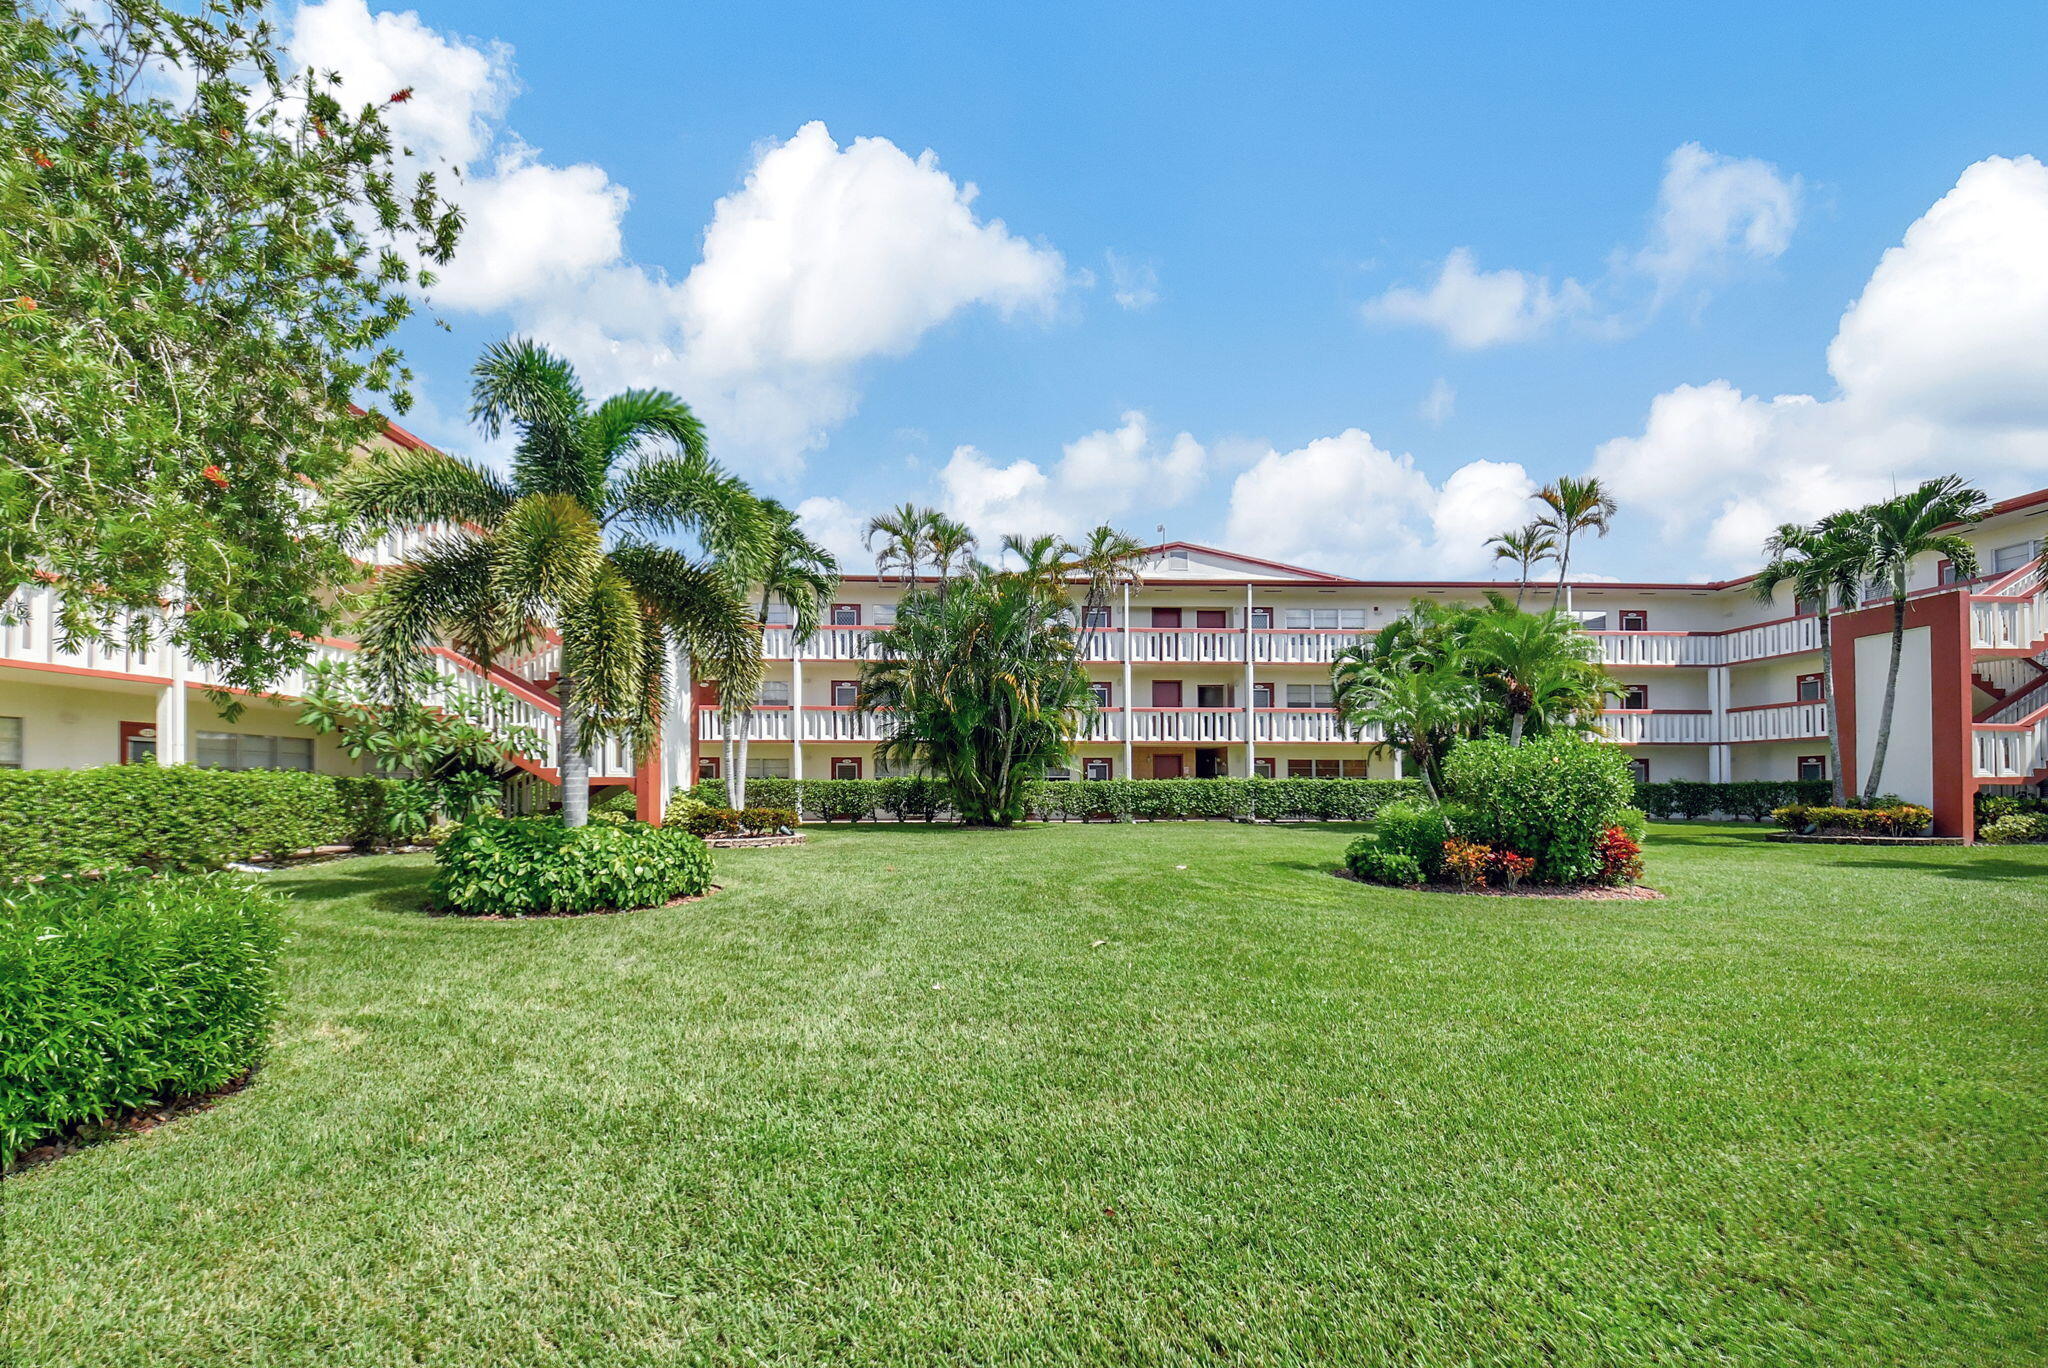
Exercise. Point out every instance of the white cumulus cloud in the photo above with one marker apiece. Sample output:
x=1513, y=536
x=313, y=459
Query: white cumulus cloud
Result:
x=1712, y=213
x=1941, y=365
x=825, y=258
x=1098, y=477
x=1344, y=503
x=1474, y=308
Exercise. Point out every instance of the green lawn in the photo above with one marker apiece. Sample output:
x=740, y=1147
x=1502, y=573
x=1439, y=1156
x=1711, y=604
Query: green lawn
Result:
x=923, y=1096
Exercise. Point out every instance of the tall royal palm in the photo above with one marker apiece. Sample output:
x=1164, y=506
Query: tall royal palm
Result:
x=1826, y=565
x=565, y=543
x=1108, y=560
x=901, y=540
x=1525, y=548
x=1575, y=505
x=802, y=575
x=1900, y=531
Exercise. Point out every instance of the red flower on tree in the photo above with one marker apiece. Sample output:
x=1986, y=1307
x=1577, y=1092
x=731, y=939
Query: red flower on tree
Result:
x=213, y=473
x=401, y=96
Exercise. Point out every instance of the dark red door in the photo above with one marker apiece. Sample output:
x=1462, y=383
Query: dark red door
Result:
x=1166, y=767
x=1212, y=617
x=1166, y=617
x=1166, y=693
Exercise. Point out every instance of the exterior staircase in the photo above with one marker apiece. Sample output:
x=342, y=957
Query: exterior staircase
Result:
x=2009, y=649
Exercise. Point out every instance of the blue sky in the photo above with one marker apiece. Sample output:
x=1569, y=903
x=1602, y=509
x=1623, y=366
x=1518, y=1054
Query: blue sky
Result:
x=1655, y=222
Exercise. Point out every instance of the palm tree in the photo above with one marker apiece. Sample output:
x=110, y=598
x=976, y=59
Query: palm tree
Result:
x=1420, y=711
x=803, y=575
x=1525, y=548
x=1108, y=560
x=1537, y=667
x=1576, y=505
x=564, y=543
x=1826, y=565
x=950, y=543
x=900, y=539
x=982, y=687
x=1043, y=559
x=1901, y=530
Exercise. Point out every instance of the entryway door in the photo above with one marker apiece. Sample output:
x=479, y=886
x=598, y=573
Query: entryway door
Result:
x=1166, y=767
x=1166, y=693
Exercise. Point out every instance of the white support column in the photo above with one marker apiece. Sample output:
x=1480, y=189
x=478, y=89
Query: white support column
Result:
x=1720, y=757
x=673, y=755
x=1397, y=762
x=173, y=734
x=1251, y=721
x=1124, y=650
x=796, y=709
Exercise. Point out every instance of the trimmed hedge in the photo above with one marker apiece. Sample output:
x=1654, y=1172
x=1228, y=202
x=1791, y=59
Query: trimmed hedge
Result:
x=127, y=992
x=1153, y=800
x=516, y=866
x=2015, y=829
x=178, y=817
x=1898, y=819
x=1751, y=800
x=753, y=821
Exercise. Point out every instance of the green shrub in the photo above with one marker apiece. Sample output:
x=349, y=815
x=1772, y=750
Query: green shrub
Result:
x=765, y=821
x=913, y=798
x=1899, y=819
x=1748, y=799
x=1992, y=806
x=178, y=817
x=711, y=821
x=515, y=866
x=1369, y=860
x=1550, y=797
x=2015, y=828
x=1419, y=830
x=121, y=992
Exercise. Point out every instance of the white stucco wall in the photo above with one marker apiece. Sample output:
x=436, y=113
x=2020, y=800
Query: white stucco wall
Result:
x=1909, y=758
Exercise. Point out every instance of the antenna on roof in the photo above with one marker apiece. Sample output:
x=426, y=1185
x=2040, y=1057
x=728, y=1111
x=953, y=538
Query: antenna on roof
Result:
x=1161, y=530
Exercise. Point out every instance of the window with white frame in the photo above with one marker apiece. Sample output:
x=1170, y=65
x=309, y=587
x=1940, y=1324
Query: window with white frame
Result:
x=1098, y=768
x=1176, y=560
x=1309, y=696
x=774, y=693
x=1812, y=767
x=1095, y=619
x=885, y=615
x=1812, y=688
x=10, y=743
x=245, y=751
x=1326, y=769
x=1262, y=766
x=767, y=767
x=1640, y=768
x=778, y=613
x=1101, y=689
x=2005, y=559
x=1324, y=619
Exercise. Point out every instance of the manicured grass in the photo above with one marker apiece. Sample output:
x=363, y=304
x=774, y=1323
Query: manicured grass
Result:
x=925, y=1096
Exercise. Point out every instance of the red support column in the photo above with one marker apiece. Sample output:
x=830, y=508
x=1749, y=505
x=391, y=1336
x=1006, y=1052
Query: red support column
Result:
x=1947, y=620
x=647, y=794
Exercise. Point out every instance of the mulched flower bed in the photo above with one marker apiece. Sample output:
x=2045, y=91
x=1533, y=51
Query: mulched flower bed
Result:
x=86, y=1134
x=1555, y=892
x=593, y=912
x=752, y=842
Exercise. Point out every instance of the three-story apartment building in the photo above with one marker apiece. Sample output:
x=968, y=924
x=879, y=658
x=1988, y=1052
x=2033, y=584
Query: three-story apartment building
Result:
x=1217, y=663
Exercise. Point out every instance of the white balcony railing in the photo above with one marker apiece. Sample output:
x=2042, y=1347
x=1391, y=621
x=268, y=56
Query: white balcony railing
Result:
x=1202, y=726
x=843, y=724
x=1291, y=646
x=2015, y=618
x=1658, y=728
x=1776, y=722
x=1104, y=726
x=2011, y=750
x=763, y=724
x=30, y=637
x=1307, y=724
x=1184, y=645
